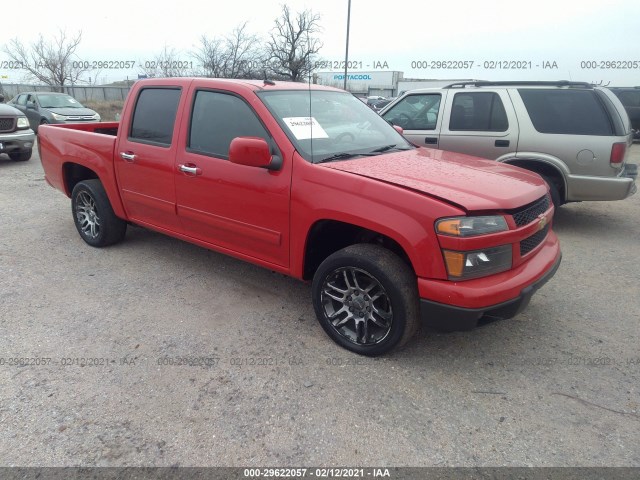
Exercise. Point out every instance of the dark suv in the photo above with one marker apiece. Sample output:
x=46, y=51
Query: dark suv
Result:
x=16, y=137
x=630, y=99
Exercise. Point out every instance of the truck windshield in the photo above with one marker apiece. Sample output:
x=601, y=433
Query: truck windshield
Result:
x=329, y=126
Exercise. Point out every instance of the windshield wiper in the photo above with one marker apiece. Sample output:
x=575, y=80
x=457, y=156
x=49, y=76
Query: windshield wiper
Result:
x=340, y=156
x=386, y=148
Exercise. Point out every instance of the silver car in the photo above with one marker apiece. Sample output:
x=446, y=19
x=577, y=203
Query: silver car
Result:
x=575, y=135
x=52, y=107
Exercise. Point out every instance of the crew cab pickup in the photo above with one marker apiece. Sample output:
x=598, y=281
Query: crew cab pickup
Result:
x=308, y=181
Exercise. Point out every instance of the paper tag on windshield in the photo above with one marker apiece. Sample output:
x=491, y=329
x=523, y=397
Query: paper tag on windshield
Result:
x=305, y=127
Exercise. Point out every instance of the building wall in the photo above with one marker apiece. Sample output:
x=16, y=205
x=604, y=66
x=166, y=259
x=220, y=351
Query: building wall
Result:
x=362, y=83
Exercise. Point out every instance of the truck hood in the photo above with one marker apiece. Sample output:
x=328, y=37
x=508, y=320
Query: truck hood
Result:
x=469, y=182
x=8, y=110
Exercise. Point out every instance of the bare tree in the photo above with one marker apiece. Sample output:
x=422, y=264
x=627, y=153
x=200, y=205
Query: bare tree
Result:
x=210, y=56
x=50, y=62
x=291, y=48
x=236, y=55
x=167, y=63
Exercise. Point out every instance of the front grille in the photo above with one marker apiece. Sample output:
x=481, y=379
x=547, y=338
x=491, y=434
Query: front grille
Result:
x=533, y=241
x=530, y=212
x=7, y=124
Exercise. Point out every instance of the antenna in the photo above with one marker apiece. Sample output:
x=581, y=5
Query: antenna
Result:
x=309, y=70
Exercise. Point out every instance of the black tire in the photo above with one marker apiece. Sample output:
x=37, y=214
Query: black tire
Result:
x=554, y=190
x=42, y=122
x=358, y=322
x=93, y=215
x=21, y=156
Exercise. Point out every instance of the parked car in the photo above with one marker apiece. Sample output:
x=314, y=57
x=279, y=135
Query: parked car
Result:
x=387, y=233
x=630, y=99
x=575, y=135
x=16, y=138
x=374, y=99
x=51, y=107
x=380, y=104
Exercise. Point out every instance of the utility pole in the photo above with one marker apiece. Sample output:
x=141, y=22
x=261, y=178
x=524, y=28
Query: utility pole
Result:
x=346, y=53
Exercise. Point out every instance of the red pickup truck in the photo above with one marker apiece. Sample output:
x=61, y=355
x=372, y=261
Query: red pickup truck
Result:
x=310, y=182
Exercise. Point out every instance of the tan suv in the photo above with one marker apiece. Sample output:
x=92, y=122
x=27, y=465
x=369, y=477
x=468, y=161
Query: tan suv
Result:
x=575, y=135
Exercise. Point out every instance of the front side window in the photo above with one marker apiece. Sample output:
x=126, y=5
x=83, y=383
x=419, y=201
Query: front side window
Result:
x=478, y=112
x=573, y=112
x=217, y=118
x=415, y=112
x=155, y=115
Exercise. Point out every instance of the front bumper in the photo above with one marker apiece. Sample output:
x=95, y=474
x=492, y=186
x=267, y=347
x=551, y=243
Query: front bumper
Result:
x=16, y=141
x=474, y=297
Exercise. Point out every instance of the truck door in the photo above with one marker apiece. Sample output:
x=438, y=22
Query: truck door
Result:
x=145, y=157
x=237, y=208
x=479, y=123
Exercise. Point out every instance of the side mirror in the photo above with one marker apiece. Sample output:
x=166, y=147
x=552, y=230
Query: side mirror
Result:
x=253, y=152
x=398, y=129
x=1, y=98
x=31, y=105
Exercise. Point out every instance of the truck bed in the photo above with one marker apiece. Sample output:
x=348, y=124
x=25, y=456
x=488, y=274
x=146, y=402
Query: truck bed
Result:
x=89, y=145
x=104, y=128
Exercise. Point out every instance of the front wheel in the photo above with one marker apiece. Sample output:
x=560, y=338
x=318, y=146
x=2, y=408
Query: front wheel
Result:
x=93, y=215
x=20, y=156
x=366, y=299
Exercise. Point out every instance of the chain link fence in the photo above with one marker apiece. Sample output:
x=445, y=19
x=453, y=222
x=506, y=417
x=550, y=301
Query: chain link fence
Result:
x=82, y=93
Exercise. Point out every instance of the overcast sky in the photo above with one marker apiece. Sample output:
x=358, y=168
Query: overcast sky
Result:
x=399, y=33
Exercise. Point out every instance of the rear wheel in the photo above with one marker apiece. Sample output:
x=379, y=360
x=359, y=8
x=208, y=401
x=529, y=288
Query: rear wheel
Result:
x=93, y=215
x=20, y=156
x=366, y=299
x=554, y=190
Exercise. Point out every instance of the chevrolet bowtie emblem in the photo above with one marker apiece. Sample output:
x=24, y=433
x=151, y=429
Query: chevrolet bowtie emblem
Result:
x=542, y=223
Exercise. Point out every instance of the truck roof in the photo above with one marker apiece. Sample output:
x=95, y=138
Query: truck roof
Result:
x=221, y=82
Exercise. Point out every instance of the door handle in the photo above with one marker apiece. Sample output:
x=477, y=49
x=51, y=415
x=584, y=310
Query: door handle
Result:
x=190, y=169
x=430, y=141
x=129, y=157
x=502, y=143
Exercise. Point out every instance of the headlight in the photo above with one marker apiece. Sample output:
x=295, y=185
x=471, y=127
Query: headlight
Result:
x=58, y=117
x=23, y=122
x=96, y=117
x=478, y=263
x=471, y=226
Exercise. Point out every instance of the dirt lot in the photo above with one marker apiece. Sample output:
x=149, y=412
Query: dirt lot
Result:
x=104, y=333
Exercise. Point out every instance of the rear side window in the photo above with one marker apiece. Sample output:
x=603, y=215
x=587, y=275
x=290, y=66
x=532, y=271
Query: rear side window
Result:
x=155, y=115
x=570, y=112
x=479, y=112
x=218, y=118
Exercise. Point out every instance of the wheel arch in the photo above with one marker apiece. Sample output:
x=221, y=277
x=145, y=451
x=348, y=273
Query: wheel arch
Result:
x=73, y=173
x=327, y=236
x=555, y=170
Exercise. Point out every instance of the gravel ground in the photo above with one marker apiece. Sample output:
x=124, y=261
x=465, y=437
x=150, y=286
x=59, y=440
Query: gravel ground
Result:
x=557, y=385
